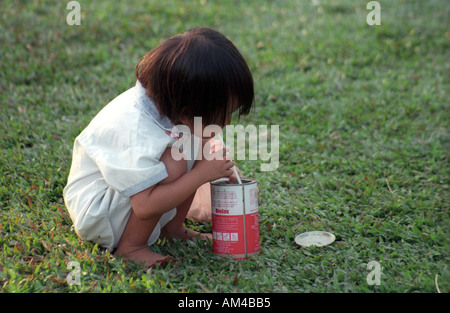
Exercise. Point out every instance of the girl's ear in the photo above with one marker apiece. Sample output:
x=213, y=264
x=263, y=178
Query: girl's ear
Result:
x=186, y=115
x=184, y=118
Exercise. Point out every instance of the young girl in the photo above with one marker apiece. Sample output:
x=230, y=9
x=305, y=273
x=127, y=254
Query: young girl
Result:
x=125, y=189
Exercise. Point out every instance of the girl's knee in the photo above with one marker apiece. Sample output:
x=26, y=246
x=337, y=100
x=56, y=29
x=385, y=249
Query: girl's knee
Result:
x=175, y=168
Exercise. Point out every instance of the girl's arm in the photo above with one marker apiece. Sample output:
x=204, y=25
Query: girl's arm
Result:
x=161, y=198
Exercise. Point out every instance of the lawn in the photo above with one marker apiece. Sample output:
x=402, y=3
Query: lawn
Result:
x=364, y=138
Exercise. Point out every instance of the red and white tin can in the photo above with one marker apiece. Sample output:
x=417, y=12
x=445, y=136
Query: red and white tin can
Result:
x=235, y=221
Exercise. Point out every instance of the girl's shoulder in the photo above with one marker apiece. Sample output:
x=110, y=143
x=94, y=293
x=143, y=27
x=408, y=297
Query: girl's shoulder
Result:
x=129, y=120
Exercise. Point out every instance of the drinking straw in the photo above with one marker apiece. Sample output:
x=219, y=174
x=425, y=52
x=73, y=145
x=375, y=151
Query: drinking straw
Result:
x=234, y=167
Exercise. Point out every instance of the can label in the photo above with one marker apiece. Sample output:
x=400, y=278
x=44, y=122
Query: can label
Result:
x=235, y=220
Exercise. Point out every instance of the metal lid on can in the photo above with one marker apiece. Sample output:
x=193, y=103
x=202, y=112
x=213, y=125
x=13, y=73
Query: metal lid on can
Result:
x=314, y=238
x=224, y=181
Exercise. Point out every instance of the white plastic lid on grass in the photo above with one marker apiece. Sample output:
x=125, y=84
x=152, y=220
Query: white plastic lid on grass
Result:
x=314, y=238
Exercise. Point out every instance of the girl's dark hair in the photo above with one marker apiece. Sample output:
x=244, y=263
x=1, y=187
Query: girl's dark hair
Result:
x=197, y=73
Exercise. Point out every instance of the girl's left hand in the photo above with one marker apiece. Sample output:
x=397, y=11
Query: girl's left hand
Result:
x=216, y=145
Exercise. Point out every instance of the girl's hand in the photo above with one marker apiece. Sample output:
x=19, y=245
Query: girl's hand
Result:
x=215, y=163
x=215, y=146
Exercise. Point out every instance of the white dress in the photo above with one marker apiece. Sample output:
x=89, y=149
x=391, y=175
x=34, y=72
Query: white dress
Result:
x=116, y=156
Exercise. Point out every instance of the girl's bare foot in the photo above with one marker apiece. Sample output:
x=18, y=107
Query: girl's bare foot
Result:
x=145, y=256
x=184, y=234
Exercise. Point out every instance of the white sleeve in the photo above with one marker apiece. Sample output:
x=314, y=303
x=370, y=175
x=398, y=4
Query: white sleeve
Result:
x=126, y=168
x=130, y=172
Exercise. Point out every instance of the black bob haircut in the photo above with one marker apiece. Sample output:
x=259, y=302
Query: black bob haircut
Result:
x=197, y=73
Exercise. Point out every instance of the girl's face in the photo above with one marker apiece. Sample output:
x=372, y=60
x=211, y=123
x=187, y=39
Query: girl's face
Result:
x=211, y=131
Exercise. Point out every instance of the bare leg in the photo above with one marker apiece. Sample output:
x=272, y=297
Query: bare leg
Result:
x=200, y=210
x=175, y=228
x=133, y=243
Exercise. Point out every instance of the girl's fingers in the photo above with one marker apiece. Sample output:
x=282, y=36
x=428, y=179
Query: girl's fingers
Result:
x=229, y=164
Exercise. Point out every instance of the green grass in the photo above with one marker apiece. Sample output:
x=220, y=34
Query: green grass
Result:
x=364, y=142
